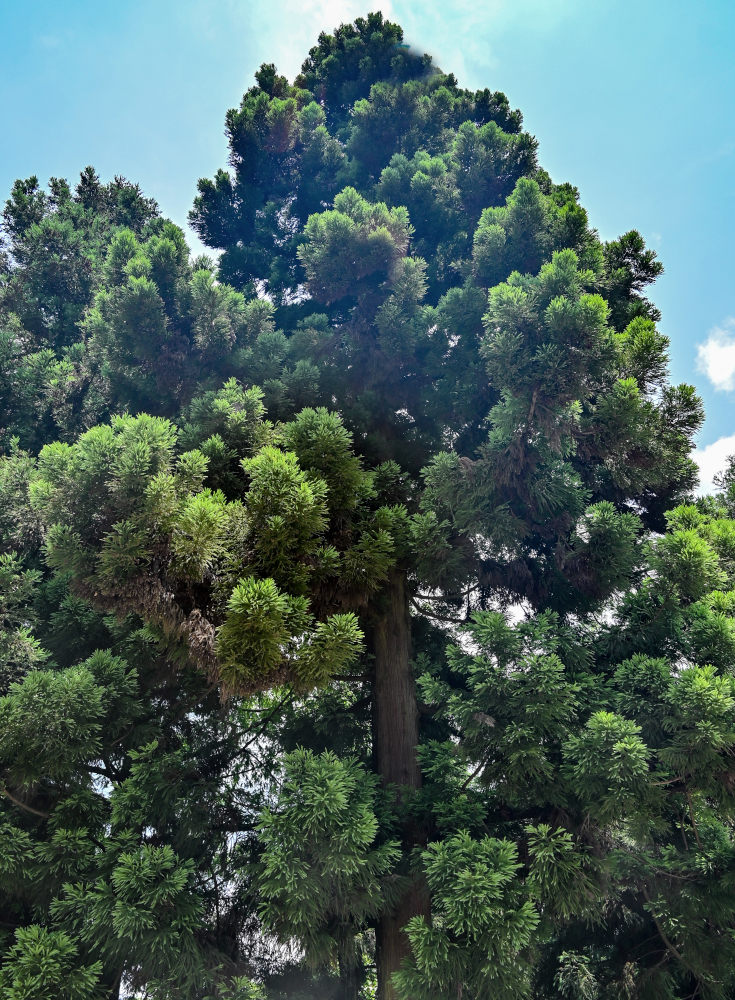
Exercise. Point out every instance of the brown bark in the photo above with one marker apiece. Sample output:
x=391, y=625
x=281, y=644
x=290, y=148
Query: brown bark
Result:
x=350, y=977
x=395, y=712
x=391, y=944
x=395, y=739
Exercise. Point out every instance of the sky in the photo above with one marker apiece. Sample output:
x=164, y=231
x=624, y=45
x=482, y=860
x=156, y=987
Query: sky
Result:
x=631, y=100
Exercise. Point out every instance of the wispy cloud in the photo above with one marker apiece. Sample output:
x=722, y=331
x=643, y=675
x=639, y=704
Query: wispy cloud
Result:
x=716, y=356
x=464, y=36
x=313, y=17
x=278, y=31
x=713, y=459
x=461, y=34
x=286, y=29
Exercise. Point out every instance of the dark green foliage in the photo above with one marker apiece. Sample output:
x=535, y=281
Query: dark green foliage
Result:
x=343, y=67
x=396, y=472
x=20, y=651
x=630, y=759
x=158, y=322
x=102, y=311
x=55, y=243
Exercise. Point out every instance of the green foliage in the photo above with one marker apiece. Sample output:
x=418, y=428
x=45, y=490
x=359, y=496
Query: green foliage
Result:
x=686, y=561
x=157, y=320
x=608, y=763
x=278, y=486
x=46, y=719
x=557, y=878
x=481, y=924
x=44, y=965
x=324, y=874
x=148, y=909
x=354, y=242
x=20, y=651
x=268, y=635
x=416, y=423
x=521, y=235
x=260, y=623
x=323, y=445
x=257, y=556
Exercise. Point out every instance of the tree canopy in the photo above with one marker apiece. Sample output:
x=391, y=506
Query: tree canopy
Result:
x=360, y=635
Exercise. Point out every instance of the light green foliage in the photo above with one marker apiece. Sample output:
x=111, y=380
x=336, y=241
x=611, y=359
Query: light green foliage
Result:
x=45, y=720
x=287, y=514
x=268, y=636
x=198, y=534
x=608, y=764
x=487, y=159
x=102, y=311
x=44, y=965
x=57, y=243
x=103, y=474
x=148, y=909
x=642, y=684
x=712, y=629
x=256, y=554
x=58, y=240
x=645, y=352
x=605, y=549
x=224, y=425
x=332, y=648
x=260, y=626
x=323, y=445
x=239, y=989
x=560, y=318
x=481, y=924
x=325, y=874
x=635, y=750
x=687, y=562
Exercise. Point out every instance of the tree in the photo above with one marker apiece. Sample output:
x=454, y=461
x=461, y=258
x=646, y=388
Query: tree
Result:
x=101, y=310
x=52, y=253
x=444, y=399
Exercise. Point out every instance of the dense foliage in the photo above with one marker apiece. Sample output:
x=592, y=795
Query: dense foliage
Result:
x=360, y=636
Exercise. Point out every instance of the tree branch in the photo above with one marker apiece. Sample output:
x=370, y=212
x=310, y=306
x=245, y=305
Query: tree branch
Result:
x=22, y=805
x=662, y=933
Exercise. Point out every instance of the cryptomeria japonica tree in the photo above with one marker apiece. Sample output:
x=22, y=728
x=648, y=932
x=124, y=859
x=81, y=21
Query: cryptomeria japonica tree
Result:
x=447, y=408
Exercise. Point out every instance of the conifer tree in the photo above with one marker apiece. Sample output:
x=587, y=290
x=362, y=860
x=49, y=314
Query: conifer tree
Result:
x=52, y=250
x=355, y=636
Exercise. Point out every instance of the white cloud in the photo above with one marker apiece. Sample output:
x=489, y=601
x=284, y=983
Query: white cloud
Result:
x=713, y=459
x=716, y=356
x=465, y=37
x=277, y=31
x=287, y=29
x=460, y=35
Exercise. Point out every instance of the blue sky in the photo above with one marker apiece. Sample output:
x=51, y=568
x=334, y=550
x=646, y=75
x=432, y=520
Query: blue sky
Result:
x=631, y=101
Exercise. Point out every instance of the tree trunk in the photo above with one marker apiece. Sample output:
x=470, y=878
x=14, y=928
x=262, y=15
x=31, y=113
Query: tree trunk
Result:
x=350, y=973
x=395, y=739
